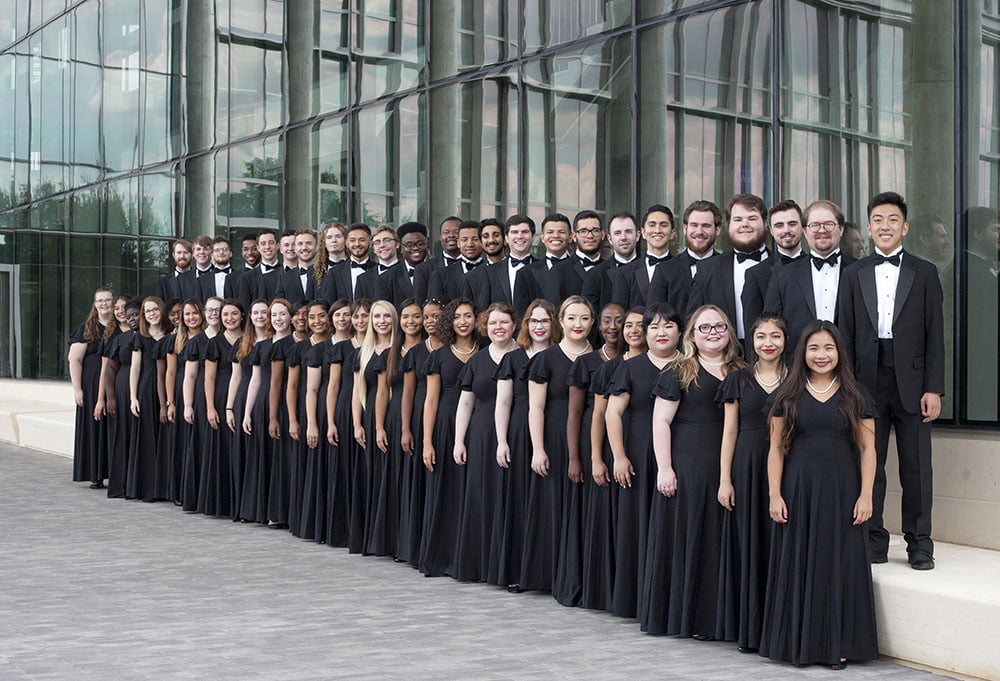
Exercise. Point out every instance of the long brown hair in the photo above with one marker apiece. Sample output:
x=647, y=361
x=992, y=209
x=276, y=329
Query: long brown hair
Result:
x=112, y=330
x=182, y=337
x=446, y=327
x=524, y=336
x=788, y=395
x=688, y=365
x=249, y=337
x=144, y=325
x=319, y=264
x=92, y=324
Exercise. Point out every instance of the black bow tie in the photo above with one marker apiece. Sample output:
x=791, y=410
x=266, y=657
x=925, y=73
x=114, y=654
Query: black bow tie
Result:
x=553, y=259
x=449, y=261
x=267, y=268
x=517, y=262
x=587, y=264
x=288, y=268
x=178, y=272
x=469, y=265
x=331, y=263
x=785, y=259
x=382, y=268
x=830, y=260
x=653, y=261
x=883, y=259
x=743, y=257
x=198, y=273
x=223, y=270
x=367, y=265
x=303, y=270
x=410, y=271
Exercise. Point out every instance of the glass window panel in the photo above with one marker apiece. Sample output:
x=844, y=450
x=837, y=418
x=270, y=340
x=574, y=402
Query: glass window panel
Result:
x=486, y=33
x=222, y=83
x=253, y=198
x=157, y=114
x=122, y=253
x=49, y=215
x=331, y=169
x=121, y=210
x=156, y=217
x=578, y=140
x=87, y=209
x=154, y=256
x=389, y=44
x=390, y=143
x=256, y=89
x=650, y=9
x=85, y=123
x=552, y=22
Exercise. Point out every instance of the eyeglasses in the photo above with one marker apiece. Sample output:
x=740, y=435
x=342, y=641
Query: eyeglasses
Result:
x=589, y=231
x=827, y=226
x=386, y=240
x=706, y=329
x=539, y=322
x=104, y=301
x=414, y=245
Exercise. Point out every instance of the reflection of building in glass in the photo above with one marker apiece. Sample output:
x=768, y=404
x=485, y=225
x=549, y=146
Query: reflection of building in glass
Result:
x=134, y=121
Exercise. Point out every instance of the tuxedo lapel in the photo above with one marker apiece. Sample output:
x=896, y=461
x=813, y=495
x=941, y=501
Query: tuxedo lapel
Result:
x=804, y=278
x=907, y=271
x=866, y=279
x=642, y=279
x=500, y=271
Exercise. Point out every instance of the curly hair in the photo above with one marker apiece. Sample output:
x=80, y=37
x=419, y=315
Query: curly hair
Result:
x=446, y=327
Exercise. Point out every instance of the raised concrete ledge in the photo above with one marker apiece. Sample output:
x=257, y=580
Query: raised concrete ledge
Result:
x=48, y=391
x=38, y=414
x=946, y=619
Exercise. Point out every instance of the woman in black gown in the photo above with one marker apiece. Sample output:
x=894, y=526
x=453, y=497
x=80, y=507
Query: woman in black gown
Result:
x=628, y=423
x=195, y=406
x=312, y=414
x=284, y=493
x=86, y=344
x=215, y=490
x=118, y=364
x=681, y=590
x=476, y=443
x=588, y=542
x=412, y=484
x=548, y=406
x=445, y=478
x=746, y=531
x=343, y=410
x=539, y=331
x=819, y=606
x=380, y=527
x=246, y=453
x=147, y=398
x=178, y=355
x=389, y=426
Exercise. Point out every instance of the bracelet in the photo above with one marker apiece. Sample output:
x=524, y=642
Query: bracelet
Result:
x=169, y=403
x=229, y=409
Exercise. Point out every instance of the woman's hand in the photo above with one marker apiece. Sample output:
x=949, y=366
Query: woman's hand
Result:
x=382, y=440
x=624, y=472
x=459, y=453
x=99, y=410
x=503, y=455
x=172, y=413
x=111, y=406
x=778, y=510
x=666, y=482
x=406, y=441
x=274, y=429
x=78, y=397
x=164, y=415
x=727, y=495
x=248, y=425
x=862, y=509
x=231, y=420
x=189, y=414
x=359, y=436
x=312, y=437
x=600, y=473
x=213, y=417
x=430, y=457
x=134, y=408
x=575, y=470
x=293, y=428
x=540, y=463
x=331, y=434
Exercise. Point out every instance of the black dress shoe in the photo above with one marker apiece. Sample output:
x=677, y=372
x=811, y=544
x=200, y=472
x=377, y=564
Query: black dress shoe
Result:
x=746, y=649
x=839, y=665
x=515, y=588
x=97, y=485
x=702, y=637
x=921, y=562
x=879, y=558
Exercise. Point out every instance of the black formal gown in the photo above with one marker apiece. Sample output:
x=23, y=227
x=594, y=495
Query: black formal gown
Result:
x=121, y=425
x=589, y=542
x=412, y=482
x=820, y=604
x=545, y=510
x=284, y=492
x=339, y=487
x=143, y=450
x=383, y=514
x=636, y=377
x=372, y=458
x=259, y=445
x=681, y=591
x=89, y=461
x=508, y=535
x=312, y=521
x=195, y=434
x=181, y=429
x=746, y=532
x=166, y=450
x=473, y=549
x=241, y=442
x=446, y=483
x=215, y=485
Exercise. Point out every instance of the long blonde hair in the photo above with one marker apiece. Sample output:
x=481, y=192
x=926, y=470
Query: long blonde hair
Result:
x=368, y=345
x=687, y=366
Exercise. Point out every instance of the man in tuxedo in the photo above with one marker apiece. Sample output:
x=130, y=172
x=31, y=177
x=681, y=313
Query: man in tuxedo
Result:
x=530, y=282
x=250, y=256
x=784, y=222
x=450, y=253
x=492, y=235
x=262, y=280
x=622, y=235
x=341, y=280
x=630, y=282
x=448, y=283
x=286, y=244
x=808, y=288
x=202, y=267
x=396, y=284
x=168, y=287
x=890, y=312
x=495, y=282
x=216, y=284
x=385, y=247
x=298, y=283
x=672, y=279
x=720, y=282
x=566, y=278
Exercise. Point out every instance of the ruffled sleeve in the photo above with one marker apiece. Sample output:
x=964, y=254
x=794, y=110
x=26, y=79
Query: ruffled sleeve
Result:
x=731, y=388
x=581, y=372
x=620, y=380
x=468, y=376
x=505, y=370
x=77, y=335
x=667, y=387
x=433, y=363
x=539, y=368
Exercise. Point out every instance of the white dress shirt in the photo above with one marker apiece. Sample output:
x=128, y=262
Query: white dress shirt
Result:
x=825, y=281
x=886, y=279
x=739, y=278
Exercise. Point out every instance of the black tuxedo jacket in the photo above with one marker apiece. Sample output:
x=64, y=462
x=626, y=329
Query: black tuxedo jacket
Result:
x=290, y=286
x=395, y=285
x=193, y=284
x=630, y=283
x=338, y=283
x=422, y=277
x=529, y=284
x=755, y=287
x=367, y=286
x=917, y=327
x=598, y=284
x=672, y=282
x=447, y=283
x=714, y=285
x=206, y=286
x=565, y=279
x=790, y=294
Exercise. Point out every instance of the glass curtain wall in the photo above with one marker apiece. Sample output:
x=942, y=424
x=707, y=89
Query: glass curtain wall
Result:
x=133, y=122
